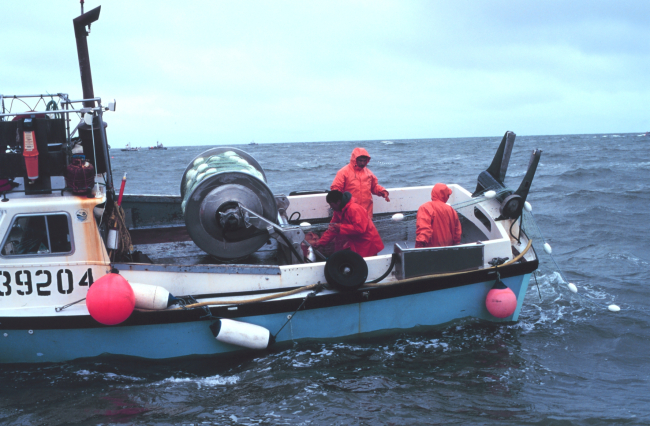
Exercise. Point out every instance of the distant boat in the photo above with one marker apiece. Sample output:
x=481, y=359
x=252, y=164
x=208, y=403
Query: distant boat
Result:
x=253, y=143
x=128, y=147
x=158, y=146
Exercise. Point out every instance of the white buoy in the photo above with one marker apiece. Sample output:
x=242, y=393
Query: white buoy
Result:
x=398, y=217
x=547, y=248
x=305, y=225
x=614, y=308
x=572, y=287
x=528, y=207
x=112, y=241
x=149, y=296
x=241, y=334
x=490, y=194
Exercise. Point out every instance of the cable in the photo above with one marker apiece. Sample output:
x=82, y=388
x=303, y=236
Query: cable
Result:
x=393, y=260
x=291, y=217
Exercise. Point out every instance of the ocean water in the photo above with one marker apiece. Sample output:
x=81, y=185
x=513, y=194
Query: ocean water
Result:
x=568, y=361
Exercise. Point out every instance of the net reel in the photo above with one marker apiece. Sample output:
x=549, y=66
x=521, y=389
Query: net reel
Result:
x=229, y=210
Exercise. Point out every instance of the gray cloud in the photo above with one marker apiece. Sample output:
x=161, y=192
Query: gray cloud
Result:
x=300, y=71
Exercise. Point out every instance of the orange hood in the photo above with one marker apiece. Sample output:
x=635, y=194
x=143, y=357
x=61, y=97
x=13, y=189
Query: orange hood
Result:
x=440, y=192
x=358, y=152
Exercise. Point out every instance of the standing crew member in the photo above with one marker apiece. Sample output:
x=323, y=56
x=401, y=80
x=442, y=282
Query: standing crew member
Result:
x=356, y=179
x=350, y=227
x=437, y=223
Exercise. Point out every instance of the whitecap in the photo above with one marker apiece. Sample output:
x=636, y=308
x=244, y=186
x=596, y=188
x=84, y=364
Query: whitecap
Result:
x=211, y=381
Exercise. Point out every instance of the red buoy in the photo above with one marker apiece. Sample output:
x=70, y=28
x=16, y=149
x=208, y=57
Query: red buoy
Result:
x=501, y=301
x=110, y=300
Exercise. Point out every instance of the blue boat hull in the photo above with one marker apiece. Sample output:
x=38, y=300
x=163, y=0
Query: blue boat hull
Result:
x=171, y=339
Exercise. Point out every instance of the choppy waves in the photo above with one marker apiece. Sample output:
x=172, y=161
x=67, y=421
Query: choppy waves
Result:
x=567, y=361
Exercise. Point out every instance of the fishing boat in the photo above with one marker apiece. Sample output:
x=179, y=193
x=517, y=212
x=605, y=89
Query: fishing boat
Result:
x=158, y=146
x=129, y=148
x=226, y=267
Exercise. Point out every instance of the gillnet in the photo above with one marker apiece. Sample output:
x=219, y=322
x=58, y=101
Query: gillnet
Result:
x=401, y=227
x=548, y=269
x=202, y=168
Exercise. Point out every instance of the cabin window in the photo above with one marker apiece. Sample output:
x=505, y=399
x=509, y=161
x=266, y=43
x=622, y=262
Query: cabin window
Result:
x=36, y=235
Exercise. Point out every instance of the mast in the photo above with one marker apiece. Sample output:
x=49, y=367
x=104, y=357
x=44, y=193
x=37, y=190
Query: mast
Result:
x=81, y=34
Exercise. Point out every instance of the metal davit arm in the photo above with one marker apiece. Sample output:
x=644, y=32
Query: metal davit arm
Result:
x=291, y=236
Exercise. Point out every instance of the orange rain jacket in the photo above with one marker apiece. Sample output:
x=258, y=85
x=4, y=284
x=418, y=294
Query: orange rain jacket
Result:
x=437, y=223
x=361, y=183
x=357, y=232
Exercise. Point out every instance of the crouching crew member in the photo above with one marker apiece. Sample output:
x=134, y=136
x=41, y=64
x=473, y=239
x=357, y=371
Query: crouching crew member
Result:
x=437, y=223
x=350, y=227
x=358, y=180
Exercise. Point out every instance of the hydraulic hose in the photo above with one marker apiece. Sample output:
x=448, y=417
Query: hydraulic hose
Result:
x=393, y=260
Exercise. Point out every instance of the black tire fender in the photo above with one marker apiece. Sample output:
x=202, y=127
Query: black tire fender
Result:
x=345, y=270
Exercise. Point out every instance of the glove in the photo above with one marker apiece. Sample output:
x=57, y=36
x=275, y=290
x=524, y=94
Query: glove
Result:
x=384, y=194
x=420, y=244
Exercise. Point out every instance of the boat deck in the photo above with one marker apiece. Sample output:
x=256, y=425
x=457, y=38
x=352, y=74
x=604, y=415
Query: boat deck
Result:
x=173, y=245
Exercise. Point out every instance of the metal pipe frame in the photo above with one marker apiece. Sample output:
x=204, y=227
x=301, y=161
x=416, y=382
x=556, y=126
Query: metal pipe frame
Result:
x=63, y=96
x=44, y=95
x=60, y=111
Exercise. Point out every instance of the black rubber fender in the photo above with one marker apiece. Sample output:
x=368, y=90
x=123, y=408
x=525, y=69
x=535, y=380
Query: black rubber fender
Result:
x=345, y=270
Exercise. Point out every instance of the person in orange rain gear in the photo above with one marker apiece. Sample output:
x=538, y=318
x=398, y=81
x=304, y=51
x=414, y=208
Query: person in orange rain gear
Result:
x=437, y=223
x=356, y=179
x=350, y=226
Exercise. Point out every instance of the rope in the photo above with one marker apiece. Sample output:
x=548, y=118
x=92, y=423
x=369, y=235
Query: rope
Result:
x=290, y=317
x=243, y=302
x=117, y=221
x=449, y=274
x=312, y=286
x=52, y=106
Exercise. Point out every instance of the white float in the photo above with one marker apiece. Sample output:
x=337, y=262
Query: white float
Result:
x=528, y=207
x=490, y=194
x=152, y=297
x=547, y=248
x=305, y=225
x=398, y=217
x=112, y=240
x=241, y=334
x=614, y=308
x=572, y=287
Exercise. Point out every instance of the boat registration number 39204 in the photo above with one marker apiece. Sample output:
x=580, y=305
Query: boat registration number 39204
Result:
x=41, y=282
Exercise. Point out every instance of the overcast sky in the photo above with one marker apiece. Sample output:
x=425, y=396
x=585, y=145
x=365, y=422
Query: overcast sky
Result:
x=230, y=72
